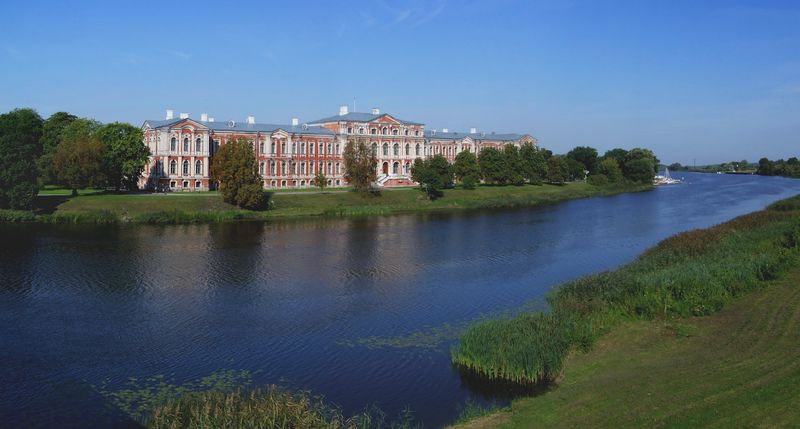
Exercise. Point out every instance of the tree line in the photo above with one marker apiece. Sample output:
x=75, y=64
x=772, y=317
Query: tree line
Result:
x=530, y=164
x=65, y=150
x=787, y=168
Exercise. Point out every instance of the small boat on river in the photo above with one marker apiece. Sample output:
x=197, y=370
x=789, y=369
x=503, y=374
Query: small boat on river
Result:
x=666, y=179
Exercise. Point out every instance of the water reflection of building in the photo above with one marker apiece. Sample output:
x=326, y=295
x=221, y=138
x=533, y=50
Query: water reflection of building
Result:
x=290, y=156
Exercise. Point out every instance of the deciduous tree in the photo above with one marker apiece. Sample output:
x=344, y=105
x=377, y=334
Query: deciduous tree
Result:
x=493, y=166
x=534, y=163
x=52, y=131
x=236, y=170
x=320, y=181
x=20, y=146
x=79, y=162
x=433, y=175
x=359, y=165
x=126, y=154
x=466, y=165
x=557, y=170
x=585, y=155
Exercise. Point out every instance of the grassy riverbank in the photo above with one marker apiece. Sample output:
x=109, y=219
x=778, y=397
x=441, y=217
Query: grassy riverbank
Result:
x=735, y=368
x=55, y=207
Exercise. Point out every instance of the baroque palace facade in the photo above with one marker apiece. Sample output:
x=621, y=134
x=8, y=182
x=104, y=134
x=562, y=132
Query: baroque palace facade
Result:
x=290, y=156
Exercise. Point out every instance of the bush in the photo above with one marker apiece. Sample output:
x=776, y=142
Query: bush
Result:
x=469, y=182
x=597, y=180
x=251, y=197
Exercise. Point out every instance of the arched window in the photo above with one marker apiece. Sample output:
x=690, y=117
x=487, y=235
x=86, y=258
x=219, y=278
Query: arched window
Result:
x=173, y=167
x=349, y=130
x=272, y=169
x=260, y=147
x=373, y=131
x=303, y=148
x=386, y=149
x=283, y=168
x=416, y=133
x=385, y=131
x=272, y=148
x=173, y=144
x=337, y=168
x=311, y=148
x=396, y=168
x=394, y=132
x=374, y=148
x=361, y=130
x=406, y=132
x=294, y=147
x=261, y=168
x=198, y=145
x=396, y=149
x=407, y=167
x=186, y=144
x=329, y=148
x=185, y=168
x=408, y=149
x=283, y=148
x=416, y=152
x=337, y=148
x=198, y=168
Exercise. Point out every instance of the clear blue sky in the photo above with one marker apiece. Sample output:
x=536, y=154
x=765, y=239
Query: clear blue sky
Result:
x=711, y=81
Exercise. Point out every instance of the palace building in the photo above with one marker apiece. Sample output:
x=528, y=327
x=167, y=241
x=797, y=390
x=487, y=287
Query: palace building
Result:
x=290, y=156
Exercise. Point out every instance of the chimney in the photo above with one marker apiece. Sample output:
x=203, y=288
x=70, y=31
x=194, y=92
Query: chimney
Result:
x=184, y=115
x=342, y=110
x=376, y=111
x=210, y=119
x=251, y=119
x=295, y=122
x=445, y=130
x=473, y=130
x=204, y=117
x=169, y=113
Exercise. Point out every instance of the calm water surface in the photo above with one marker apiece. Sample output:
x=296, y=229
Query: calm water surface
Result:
x=293, y=302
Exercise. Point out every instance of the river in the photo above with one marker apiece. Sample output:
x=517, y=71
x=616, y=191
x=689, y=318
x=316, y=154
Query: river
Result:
x=361, y=310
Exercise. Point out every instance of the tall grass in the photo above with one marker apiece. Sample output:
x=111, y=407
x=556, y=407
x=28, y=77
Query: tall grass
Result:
x=269, y=407
x=690, y=274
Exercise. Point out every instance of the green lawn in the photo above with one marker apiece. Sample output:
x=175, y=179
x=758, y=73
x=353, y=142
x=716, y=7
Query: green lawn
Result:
x=737, y=368
x=208, y=206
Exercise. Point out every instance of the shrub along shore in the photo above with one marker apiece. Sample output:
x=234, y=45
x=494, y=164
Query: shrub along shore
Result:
x=102, y=208
x=695, y=273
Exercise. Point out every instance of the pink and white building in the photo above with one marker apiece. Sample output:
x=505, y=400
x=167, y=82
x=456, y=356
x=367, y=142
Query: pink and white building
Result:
x=289, y=156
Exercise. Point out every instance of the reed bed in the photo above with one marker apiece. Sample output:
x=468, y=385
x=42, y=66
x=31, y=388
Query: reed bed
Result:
x=269, y=407
x=694, y=273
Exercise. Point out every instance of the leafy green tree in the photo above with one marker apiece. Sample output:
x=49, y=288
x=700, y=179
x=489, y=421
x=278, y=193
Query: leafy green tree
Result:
x=634, y=172
x=470, y=182
x=20, y=146
x=640, y=170
x=359, y=165
x=126, y=154
x=557, y=169
x=575, y=168
x=610, y=168
x=765, y=167
x=320, y=181
x=79, y=162
x=534, y=163
x=493, y=166
x=236, y=170
x=51, y=136
x=618, y=154
x=743, y=165
x=587, y=156
x=465, y=165
x=433, y=175
x=514, y=165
